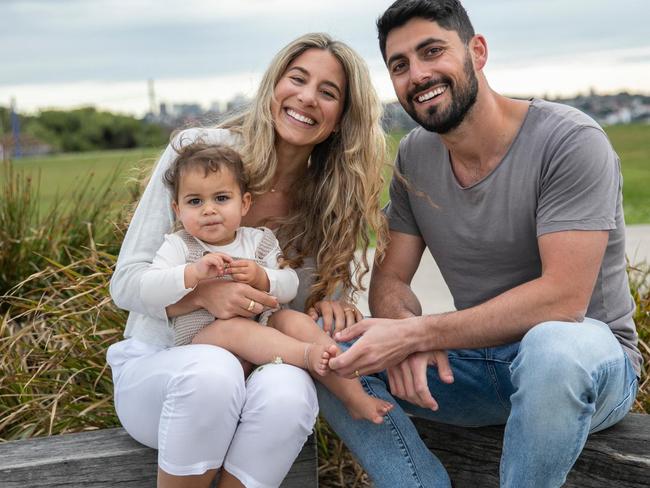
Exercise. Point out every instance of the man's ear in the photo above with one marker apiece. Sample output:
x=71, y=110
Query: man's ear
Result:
x=479, y=50
x=246, y=201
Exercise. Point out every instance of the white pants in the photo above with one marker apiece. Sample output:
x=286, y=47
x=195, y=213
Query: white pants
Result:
x=192, y=404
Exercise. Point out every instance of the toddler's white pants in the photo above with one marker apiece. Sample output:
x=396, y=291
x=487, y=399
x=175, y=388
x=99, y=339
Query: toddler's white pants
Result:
x=193, y=405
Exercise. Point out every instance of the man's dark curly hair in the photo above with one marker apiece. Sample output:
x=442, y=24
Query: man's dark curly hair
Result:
x=449, y=14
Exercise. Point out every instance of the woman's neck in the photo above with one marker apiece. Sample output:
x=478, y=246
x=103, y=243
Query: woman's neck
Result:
x=292, y=164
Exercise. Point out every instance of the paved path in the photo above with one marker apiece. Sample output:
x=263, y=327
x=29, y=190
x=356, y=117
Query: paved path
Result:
x=434, y=295
x=638, y=243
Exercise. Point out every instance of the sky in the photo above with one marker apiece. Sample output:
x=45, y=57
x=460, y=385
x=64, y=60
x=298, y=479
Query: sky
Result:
x=68, y=53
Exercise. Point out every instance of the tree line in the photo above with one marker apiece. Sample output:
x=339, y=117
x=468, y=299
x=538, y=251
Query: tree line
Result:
x=83, y=129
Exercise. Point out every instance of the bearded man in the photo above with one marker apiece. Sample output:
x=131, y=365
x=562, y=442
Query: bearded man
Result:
x=519, y=202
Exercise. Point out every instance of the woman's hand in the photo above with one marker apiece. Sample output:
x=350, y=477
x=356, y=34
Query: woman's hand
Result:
x=337, y=314
x=227, y=299
x=224, y=300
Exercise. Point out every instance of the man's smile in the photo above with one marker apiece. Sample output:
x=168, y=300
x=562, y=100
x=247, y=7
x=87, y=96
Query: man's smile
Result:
x=430, y=94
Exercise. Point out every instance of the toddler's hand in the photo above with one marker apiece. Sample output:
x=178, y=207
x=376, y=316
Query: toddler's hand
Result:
x=247, y=271
x=212, y=265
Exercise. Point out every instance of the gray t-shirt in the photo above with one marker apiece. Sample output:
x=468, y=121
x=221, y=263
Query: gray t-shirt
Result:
x=560, y=173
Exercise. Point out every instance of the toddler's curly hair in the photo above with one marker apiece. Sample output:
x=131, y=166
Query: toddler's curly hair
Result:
x=210, y=158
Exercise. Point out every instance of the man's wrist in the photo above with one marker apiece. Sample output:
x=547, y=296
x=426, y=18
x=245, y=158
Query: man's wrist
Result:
x=421, y=333
x=411, y=332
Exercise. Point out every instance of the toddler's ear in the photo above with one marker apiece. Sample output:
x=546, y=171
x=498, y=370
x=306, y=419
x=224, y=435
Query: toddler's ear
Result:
x=246, y=200
x=176, y=210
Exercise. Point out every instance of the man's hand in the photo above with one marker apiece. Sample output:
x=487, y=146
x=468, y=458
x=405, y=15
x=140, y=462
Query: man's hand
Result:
x=337, y=314
x=249, y=272
x=408, y=379
x=384, y=343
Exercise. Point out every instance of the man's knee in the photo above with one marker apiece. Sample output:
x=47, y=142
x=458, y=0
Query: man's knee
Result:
x=564, y=358
x=549, y=345
x=559, y=346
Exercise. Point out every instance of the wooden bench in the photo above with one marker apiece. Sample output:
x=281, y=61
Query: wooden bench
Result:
x=106, y=458
x=617, y=457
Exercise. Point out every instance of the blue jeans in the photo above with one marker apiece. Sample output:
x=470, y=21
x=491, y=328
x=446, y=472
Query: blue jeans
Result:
x=560, y=383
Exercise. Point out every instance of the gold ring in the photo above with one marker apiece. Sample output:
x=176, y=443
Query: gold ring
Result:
x=251, y=306
x=348, y=309
x=356, y=373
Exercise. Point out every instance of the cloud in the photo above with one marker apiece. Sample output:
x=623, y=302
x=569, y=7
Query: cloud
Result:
x=102, y=40
x=114, y=46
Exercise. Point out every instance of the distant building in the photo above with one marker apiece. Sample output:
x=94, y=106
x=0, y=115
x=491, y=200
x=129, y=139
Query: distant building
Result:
x=237, y=103
x=622, y=108
x=187, y=110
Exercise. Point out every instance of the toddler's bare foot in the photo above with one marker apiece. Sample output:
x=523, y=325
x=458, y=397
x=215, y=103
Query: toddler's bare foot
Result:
x=368, y=407
x=358, y=402
x=317, y=359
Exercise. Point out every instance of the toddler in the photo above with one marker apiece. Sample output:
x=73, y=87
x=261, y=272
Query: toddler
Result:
x=209, y=198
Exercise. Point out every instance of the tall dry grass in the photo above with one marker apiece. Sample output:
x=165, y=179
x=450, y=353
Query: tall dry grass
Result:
x=29, y=236
x=53, y=341
x=57, y=317
x=57, y=320
x=640, y=286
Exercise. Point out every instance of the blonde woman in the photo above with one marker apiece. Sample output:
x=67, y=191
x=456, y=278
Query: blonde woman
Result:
x=313, y=151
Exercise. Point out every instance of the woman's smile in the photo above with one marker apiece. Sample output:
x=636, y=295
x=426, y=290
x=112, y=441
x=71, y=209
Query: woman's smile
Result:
x=295, y=115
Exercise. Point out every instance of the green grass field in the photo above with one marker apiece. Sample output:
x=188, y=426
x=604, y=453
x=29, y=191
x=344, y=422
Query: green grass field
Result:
x=61, y=173
x=632, y=143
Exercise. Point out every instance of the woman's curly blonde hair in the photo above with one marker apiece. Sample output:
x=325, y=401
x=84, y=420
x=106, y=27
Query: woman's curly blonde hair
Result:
x=336, y=205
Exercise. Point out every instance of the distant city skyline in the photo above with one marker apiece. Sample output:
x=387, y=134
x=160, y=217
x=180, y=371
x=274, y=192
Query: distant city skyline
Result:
x=77, y=52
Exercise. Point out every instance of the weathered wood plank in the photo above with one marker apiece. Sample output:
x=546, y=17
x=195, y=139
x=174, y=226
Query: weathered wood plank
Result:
x=105, y=458
x=616, y=457
x=619, y=456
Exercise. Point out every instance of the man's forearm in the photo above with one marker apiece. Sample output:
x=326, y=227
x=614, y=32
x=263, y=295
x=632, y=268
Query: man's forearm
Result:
x=570, y=267
x=501, y=320
x=391, y=298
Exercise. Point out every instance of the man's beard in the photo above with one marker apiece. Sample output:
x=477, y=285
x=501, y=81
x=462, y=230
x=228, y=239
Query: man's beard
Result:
x=440, y=119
